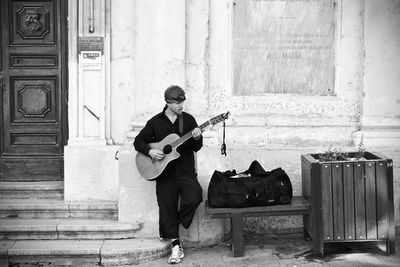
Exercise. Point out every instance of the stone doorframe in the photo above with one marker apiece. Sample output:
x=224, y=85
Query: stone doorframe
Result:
x=89, y=85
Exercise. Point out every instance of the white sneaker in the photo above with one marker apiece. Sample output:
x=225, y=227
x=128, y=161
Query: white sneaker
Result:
x=176, y=254
x=181, y=255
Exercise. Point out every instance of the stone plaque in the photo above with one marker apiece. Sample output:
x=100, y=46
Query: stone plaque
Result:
x=90, y=44
x=283, y=46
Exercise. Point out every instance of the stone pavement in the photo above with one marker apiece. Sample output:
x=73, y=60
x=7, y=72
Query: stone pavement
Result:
x=286, y=251
x=279, y=250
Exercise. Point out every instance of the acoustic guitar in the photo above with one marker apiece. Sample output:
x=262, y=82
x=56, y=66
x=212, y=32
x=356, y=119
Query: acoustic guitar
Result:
x=150, y=169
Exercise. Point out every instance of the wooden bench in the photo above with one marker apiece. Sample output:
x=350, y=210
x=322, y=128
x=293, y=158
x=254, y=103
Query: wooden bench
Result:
x=298, y=206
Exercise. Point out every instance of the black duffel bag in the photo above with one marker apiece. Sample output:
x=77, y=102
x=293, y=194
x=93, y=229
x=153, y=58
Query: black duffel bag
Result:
x=254, y=187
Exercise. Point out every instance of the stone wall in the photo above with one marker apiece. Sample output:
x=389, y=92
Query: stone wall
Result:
x=189, y=43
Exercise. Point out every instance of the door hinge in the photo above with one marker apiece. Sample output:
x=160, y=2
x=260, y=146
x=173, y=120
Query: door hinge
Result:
x=2, y=84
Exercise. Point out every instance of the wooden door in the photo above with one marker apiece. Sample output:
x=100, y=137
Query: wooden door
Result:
x=33, y=73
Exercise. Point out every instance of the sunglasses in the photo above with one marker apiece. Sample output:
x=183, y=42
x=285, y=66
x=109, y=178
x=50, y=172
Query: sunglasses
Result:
x=175, y=101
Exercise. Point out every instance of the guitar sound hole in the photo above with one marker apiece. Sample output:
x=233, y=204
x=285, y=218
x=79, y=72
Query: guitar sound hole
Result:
x=167, y=149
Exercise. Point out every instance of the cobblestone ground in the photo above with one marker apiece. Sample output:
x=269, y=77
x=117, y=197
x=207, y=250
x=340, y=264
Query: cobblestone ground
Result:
x=286, y=251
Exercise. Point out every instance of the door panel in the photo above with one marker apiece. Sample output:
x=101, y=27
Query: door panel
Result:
x=32, y=100
x=32, y=168
x=33, y=67
x=33, y=22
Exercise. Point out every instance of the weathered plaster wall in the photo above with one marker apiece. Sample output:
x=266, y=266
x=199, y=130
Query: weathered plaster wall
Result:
x=304, y=118
x=196, y=54
x=91, y=172
x=275, y=129
x=157, y=43
x=380, y=120
x=159, y=54
x=147, y=55
x=382, y=59
x=123, y=47
x=381, y=85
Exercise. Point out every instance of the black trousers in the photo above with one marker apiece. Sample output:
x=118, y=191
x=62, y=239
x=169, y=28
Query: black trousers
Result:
x=168, y=190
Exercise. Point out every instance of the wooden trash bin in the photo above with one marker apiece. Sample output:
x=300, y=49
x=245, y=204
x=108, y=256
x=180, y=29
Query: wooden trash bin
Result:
x=351, y=200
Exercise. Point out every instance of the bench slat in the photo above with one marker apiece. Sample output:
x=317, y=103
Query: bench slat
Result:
x=298, y=206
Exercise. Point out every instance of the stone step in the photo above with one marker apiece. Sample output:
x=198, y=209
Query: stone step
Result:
x=66, y=229
x=55, y=209
x=82, y=252
x=32, y=190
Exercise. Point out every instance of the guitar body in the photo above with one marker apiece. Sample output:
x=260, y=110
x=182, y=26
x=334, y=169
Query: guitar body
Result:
x=150, y=169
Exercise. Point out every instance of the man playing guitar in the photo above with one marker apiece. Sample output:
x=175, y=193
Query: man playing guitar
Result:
x=179, y=178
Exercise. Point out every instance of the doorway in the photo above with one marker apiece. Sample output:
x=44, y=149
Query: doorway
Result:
x=33, y=80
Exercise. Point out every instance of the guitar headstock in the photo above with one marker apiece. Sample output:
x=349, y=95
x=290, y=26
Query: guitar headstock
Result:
x=219, y=118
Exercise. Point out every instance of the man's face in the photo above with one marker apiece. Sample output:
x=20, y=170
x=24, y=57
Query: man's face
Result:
x=175, y=106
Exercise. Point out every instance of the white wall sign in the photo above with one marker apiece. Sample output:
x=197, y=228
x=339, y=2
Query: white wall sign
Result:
x=90, y=59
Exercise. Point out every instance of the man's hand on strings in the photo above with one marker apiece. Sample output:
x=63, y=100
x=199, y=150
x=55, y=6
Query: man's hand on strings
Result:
x=156, y=154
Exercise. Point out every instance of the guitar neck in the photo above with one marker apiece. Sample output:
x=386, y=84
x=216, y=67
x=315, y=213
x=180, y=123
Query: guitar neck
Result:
x=188, y=135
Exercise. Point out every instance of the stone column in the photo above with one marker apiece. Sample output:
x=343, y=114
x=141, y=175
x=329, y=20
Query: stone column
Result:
x=380, y=121
x=89, y=75
x=90, y=170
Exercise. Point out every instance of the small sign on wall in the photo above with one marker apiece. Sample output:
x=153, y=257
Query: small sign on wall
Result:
x=90, y=59
x=90, y=51
x=90, y=44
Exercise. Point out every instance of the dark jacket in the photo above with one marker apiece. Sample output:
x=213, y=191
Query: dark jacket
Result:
x=157, y=128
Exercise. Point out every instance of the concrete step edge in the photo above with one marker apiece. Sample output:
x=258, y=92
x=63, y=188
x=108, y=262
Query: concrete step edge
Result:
x=54, y=204
x=85, y=252
x=33, y=186
x=31, y=195
x=67, y=225
x=57, y=209
x=67, y=229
